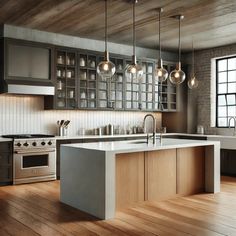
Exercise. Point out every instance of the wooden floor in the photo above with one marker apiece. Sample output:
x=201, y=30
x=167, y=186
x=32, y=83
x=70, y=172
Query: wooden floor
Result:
x=34, y=209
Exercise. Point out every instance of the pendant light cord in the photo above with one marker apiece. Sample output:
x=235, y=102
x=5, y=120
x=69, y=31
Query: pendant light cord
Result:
x=160, y=34
x=193, y=58
x=179, y=40
x=106, y=38
x=134, y=34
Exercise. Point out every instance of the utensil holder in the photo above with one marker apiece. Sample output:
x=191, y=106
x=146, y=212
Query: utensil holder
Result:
x=63, y=131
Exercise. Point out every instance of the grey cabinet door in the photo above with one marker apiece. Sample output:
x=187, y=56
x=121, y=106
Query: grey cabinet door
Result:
x=18, y=61
x=40, y=63
x=28, y=62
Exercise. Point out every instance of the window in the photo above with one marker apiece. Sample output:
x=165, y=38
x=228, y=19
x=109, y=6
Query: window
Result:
x=225, y=91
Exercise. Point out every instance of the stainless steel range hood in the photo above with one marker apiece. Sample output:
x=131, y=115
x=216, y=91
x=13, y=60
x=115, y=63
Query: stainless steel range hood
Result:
x=30, y=89
x=26, y=89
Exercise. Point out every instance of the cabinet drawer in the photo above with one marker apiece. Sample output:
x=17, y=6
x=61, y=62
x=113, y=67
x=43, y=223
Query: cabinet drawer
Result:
x=6, y=147
x=5, y=175
x=5, y=159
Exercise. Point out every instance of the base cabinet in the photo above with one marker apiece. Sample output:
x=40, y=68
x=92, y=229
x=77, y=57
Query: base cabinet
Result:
x=129, y=179
x=6, y=175
x=159, y=175
x=228, y=162
x=190, y=170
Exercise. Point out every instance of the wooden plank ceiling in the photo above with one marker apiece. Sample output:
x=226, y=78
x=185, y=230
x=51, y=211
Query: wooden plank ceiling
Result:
x=210, y=22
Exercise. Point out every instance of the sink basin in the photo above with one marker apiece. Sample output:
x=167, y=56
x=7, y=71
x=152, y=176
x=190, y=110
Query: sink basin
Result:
x=139, y=142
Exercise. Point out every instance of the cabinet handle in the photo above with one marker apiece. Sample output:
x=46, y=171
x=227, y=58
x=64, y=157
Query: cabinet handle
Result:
x=1, y=157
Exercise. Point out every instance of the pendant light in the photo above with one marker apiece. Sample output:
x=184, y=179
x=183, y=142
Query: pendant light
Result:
x=193, y=82
x=106, y=69
x=177, y=76
x=160, y=73
x=134, y=71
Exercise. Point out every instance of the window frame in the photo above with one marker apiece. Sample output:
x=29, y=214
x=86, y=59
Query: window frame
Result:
x=223, y=94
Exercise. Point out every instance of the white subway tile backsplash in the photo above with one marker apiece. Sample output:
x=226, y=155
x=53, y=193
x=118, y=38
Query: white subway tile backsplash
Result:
x=26, y=114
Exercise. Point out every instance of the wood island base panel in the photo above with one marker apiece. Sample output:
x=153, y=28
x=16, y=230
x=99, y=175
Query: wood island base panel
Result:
x=103, y=178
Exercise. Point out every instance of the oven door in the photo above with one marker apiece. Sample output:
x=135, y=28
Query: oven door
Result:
x=34, y=164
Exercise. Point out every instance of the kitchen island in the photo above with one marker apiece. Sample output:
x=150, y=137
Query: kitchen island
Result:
x=103, y=177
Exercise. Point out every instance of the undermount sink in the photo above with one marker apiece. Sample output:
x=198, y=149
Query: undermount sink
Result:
x=139, y=142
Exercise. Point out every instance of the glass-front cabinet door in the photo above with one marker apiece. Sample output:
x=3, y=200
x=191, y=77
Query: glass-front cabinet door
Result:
x=87, y=81
x=116, y=86
x=147, y=83
x=66, y=79
x=132, y=92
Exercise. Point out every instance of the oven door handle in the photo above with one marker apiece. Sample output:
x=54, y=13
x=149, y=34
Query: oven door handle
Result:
x=34, y=151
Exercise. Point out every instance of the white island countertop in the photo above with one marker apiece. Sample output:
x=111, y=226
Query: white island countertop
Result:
x=140, y=145
x=88, y=170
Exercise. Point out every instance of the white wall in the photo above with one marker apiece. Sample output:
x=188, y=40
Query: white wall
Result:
x=26, y=114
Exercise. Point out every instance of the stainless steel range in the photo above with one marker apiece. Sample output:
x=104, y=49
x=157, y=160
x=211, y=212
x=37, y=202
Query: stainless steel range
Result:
x=34, y=158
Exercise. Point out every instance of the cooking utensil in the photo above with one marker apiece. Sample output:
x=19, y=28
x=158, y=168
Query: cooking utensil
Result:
x=62, y=122
x=66, y=123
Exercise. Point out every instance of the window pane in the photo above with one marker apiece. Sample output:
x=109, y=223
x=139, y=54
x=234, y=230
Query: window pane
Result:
x=222, y=77
x=222, y=111
x=231, y=111
x=222, y=88
x=230, y=99
x=226, y=91
x=231, y=87
x=221, y=100
x=222, y=65
x=232, y=64
x=231, y=76
x=222, y=121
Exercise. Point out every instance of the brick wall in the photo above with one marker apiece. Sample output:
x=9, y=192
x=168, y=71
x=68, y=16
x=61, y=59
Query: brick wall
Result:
x=201, y=102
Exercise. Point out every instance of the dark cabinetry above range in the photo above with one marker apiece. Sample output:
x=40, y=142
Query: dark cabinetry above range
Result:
x=26, y=67
x=69, y=74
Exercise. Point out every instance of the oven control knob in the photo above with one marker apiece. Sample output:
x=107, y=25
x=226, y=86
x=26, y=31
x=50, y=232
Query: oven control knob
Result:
x=26, y=144
x=34, y=144
x=43, y=143
x=50, y=143
x=18, y=144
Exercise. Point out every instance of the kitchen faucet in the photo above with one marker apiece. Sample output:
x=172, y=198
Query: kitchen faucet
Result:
x=153, y=136
x=234, y=118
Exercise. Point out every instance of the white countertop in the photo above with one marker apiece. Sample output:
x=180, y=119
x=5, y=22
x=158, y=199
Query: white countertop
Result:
x=81, y=137
x=5, y=140
x=99, y=136
x=140, y=145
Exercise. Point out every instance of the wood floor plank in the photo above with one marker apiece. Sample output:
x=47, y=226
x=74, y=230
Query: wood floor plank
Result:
x=35, y=209
x=178, y=223
x=148, y=225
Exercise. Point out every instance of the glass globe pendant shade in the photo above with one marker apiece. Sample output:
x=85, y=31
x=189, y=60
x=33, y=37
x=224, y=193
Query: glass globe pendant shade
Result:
x=106, y=69
x=134, y=71
x=193, y=82
x=160, y=73
x=177, y=76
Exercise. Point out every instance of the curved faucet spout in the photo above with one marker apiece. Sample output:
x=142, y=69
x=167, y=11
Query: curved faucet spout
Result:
x=154, y=127
x=234, y=118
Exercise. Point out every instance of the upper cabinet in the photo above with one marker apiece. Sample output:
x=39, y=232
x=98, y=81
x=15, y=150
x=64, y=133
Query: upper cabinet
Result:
x=28, y=62
x=66, y=79
x=26, y=67
x=70, y=75
x=78, y=85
